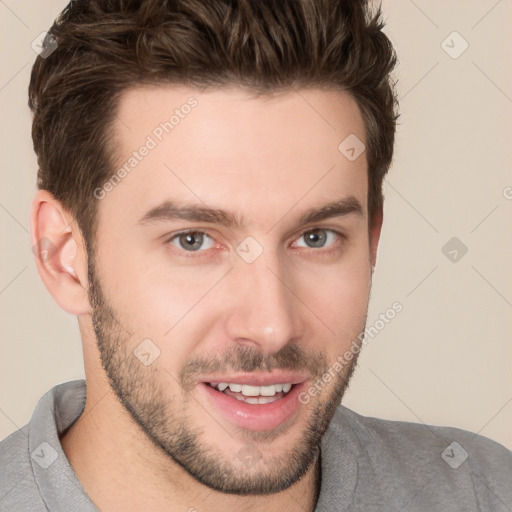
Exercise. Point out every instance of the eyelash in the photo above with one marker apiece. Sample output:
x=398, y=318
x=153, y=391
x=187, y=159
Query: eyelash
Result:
x=201, y=252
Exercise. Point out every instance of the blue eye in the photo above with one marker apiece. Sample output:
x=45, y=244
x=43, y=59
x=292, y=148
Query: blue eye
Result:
x=192, y=241
x=318, y=238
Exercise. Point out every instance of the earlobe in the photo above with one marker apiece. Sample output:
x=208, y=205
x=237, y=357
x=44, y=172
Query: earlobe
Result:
x=59, y=253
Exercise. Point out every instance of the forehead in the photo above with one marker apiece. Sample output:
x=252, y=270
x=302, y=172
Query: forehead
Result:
x=256, y=156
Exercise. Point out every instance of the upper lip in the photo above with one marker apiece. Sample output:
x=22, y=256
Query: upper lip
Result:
x=259, y=379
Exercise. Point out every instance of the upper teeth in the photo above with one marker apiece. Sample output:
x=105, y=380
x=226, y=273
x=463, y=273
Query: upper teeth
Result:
x=248, y=390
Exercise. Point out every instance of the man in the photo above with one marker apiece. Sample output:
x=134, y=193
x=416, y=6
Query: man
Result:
x=210, y=207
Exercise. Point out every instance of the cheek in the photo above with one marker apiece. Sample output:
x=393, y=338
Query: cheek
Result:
x=157, y=300
x=341, y=293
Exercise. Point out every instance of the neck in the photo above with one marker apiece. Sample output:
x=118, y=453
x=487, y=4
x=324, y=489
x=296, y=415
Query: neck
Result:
x=122, y=470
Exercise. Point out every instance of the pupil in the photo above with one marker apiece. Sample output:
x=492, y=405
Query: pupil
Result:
x=316, y=238
x=192, y=241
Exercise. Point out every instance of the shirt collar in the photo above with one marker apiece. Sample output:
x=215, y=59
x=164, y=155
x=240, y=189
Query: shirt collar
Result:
x=56, y=411
x=340, y=469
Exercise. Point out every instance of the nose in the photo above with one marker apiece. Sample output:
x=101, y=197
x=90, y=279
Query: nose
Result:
x=264, y=311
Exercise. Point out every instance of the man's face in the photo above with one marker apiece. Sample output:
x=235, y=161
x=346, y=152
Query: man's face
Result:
x=260, y=296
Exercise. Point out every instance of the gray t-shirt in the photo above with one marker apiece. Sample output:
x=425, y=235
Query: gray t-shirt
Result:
x=368, y=464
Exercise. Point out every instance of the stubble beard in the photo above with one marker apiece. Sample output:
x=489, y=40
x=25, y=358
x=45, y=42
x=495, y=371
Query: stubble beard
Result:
x=140, y=390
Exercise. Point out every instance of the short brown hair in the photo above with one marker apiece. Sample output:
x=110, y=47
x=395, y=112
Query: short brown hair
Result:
x=105, y=47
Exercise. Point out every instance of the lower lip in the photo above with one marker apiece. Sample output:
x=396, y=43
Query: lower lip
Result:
x=255, y=416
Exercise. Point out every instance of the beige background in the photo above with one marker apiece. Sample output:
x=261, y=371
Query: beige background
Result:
x=446, y=358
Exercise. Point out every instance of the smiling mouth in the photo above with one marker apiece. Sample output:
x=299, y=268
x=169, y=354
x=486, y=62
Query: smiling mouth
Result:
x=255, y=395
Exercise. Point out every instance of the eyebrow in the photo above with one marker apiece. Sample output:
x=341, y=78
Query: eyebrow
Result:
x=171, y=210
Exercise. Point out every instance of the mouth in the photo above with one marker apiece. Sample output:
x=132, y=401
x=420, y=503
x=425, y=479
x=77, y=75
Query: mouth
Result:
x=255, y=402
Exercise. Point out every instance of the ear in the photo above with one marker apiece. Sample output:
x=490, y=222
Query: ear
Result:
x=374, y=233
x=60, y=254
